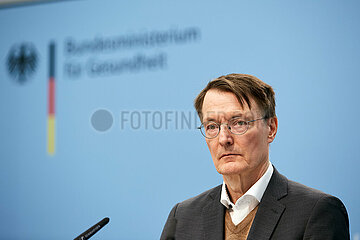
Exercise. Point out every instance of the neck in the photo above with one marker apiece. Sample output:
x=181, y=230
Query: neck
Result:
x=238, y=184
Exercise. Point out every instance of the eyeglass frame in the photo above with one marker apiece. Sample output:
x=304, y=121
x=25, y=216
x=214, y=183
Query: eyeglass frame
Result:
x=228, y=127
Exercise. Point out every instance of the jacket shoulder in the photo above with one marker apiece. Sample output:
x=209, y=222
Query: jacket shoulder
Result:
x=308, y=213
x=298, y=189
x=285, y=189
x=198, y=202
x=314, y=197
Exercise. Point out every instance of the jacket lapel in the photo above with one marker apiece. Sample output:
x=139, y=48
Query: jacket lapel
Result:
x=270, y=209
x=213, y=216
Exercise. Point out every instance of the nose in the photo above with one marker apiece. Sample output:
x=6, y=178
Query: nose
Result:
x=225, y=136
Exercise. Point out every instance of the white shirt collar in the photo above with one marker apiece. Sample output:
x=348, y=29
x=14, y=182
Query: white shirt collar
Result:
x=256, y=191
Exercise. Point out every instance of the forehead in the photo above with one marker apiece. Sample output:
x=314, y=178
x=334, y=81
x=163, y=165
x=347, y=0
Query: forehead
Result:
x=219, y=104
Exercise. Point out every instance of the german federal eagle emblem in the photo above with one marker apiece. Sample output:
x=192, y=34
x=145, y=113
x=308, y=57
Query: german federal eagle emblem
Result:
x=22, y=61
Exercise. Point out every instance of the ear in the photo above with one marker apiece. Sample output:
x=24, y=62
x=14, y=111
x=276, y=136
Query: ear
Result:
x=273, y=126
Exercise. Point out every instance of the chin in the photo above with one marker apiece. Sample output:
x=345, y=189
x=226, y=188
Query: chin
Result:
x=231, y=168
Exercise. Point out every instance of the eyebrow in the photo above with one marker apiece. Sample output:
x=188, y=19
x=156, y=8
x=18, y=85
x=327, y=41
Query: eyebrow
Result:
x=234, y=115
x=209, y=120
x=238, y=115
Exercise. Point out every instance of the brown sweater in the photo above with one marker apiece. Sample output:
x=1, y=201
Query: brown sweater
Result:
x=241, y=230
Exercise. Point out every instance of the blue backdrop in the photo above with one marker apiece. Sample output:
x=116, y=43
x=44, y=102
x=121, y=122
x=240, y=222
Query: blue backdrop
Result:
x=126, y=74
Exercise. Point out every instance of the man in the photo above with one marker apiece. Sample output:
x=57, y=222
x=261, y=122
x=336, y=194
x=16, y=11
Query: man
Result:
x=255, y=201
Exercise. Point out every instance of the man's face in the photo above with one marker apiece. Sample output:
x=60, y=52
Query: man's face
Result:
x=237, y=154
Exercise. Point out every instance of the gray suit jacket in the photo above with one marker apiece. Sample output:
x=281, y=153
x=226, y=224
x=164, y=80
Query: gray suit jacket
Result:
x=288, y=210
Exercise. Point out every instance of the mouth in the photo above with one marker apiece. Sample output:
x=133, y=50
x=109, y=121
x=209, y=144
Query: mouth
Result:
x=228, y=155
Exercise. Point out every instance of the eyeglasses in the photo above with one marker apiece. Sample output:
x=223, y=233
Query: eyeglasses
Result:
x=236, y=126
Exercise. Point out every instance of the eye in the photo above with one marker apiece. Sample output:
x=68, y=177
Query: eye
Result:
x=239, y=123
x=211, y=126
